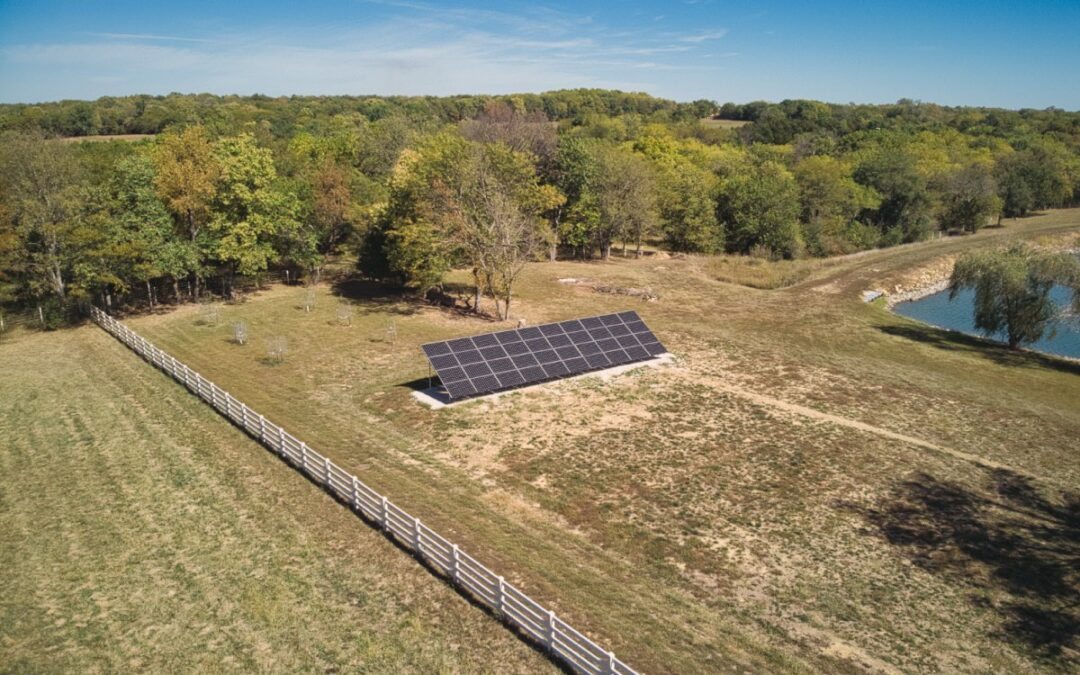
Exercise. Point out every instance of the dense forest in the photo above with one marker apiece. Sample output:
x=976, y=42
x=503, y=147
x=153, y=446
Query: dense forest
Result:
x=228, y=186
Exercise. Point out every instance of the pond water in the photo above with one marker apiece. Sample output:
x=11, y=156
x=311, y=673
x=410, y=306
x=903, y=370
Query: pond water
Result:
x=957, y=315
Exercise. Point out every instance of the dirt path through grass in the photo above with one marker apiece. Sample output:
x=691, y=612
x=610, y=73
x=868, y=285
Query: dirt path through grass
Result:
x=796, y=409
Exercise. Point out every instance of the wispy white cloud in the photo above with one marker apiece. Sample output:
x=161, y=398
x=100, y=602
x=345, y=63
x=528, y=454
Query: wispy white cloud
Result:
x=704, y=37
x=147, y=36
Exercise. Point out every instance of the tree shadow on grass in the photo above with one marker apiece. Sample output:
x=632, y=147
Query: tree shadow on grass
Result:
x=1018, y=550
x=375, y=296
x=961, y=342
x=396, y=299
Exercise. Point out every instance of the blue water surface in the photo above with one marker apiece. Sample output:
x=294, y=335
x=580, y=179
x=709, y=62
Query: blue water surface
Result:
x=958, y=315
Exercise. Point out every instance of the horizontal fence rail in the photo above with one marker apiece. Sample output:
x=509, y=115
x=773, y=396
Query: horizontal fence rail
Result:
x=508, y=602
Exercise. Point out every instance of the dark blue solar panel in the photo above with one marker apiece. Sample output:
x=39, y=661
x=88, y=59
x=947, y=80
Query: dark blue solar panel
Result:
x=589, y=348
x=534, y=374
x=654, y=348
x=513, y=358
x=547, y=356
x=460, y=388
x=508, y=336
x=475, y=370
x=524, y=360
x=452, y=374
x=445, y=361
x=597, y=360
x=580, y=337
x=469, y=356
x=513, y=348
x=485, y=383
x=568, y=352
x=608, y=344
x=576, y=365
x=436, y=348
x=511, y=379
x=559, y=340
x=485, y=340
x=537, y=344
x=557, y=369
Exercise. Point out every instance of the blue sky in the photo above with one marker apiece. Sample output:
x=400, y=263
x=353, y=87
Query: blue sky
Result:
x=1011, y=54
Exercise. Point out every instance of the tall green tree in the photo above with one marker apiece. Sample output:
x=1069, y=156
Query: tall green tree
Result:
x=760, y=208
x=186, y=175
x=1035, y=178
x=905, y=211
x=687, y=202
x=141, y=219
x=624, y=193
x=250, y=211
x=44, y=197
x=831, y=200
x=969, y=198
x=1012, y=289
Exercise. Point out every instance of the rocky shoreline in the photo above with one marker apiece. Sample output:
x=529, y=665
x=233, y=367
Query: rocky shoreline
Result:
x=917, y=293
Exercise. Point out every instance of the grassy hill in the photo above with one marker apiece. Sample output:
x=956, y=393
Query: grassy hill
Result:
x=816, y=484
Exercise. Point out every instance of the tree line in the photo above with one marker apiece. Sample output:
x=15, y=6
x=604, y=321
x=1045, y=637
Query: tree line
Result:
x=417, y=186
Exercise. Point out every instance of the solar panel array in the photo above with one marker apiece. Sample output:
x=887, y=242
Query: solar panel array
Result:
x=492, y=362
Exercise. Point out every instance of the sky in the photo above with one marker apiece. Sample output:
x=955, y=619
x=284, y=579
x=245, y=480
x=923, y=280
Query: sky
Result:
x=954, y=52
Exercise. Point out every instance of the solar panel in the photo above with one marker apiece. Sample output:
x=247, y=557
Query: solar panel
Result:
x=493, y=362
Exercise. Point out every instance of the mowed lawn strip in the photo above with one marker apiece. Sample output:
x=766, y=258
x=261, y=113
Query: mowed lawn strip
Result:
x=141, y=531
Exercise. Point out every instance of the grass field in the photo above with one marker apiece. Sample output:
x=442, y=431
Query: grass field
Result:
x=724, y=124
x=138, y=532
x=816, y=484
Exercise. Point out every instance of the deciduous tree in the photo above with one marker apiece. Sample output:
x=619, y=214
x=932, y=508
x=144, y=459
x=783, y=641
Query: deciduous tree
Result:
x=1012, y=289
x=186, y=175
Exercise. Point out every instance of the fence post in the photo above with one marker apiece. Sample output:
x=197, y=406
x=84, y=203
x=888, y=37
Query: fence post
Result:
x=355, y=495
x=385, y=515
x=243, y=416
x=326, y=470
x=551, y=629
x=262, y=429
x=281, y=441
x=303, y=455
x=454, y=565
x=416, y=534
x=501, y=594
x=610, y=663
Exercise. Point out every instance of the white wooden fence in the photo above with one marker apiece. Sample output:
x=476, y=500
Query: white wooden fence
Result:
x=532, y=619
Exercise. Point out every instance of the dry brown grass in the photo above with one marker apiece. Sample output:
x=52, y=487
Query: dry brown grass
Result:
x=138, y=532
x=754, y=505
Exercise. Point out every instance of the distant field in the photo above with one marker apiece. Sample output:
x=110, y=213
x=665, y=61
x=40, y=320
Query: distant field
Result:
x=815, y=485
x=724, y=124
x=111, y=137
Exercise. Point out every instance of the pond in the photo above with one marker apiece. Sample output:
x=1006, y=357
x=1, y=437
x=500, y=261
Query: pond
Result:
x=957, y=315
